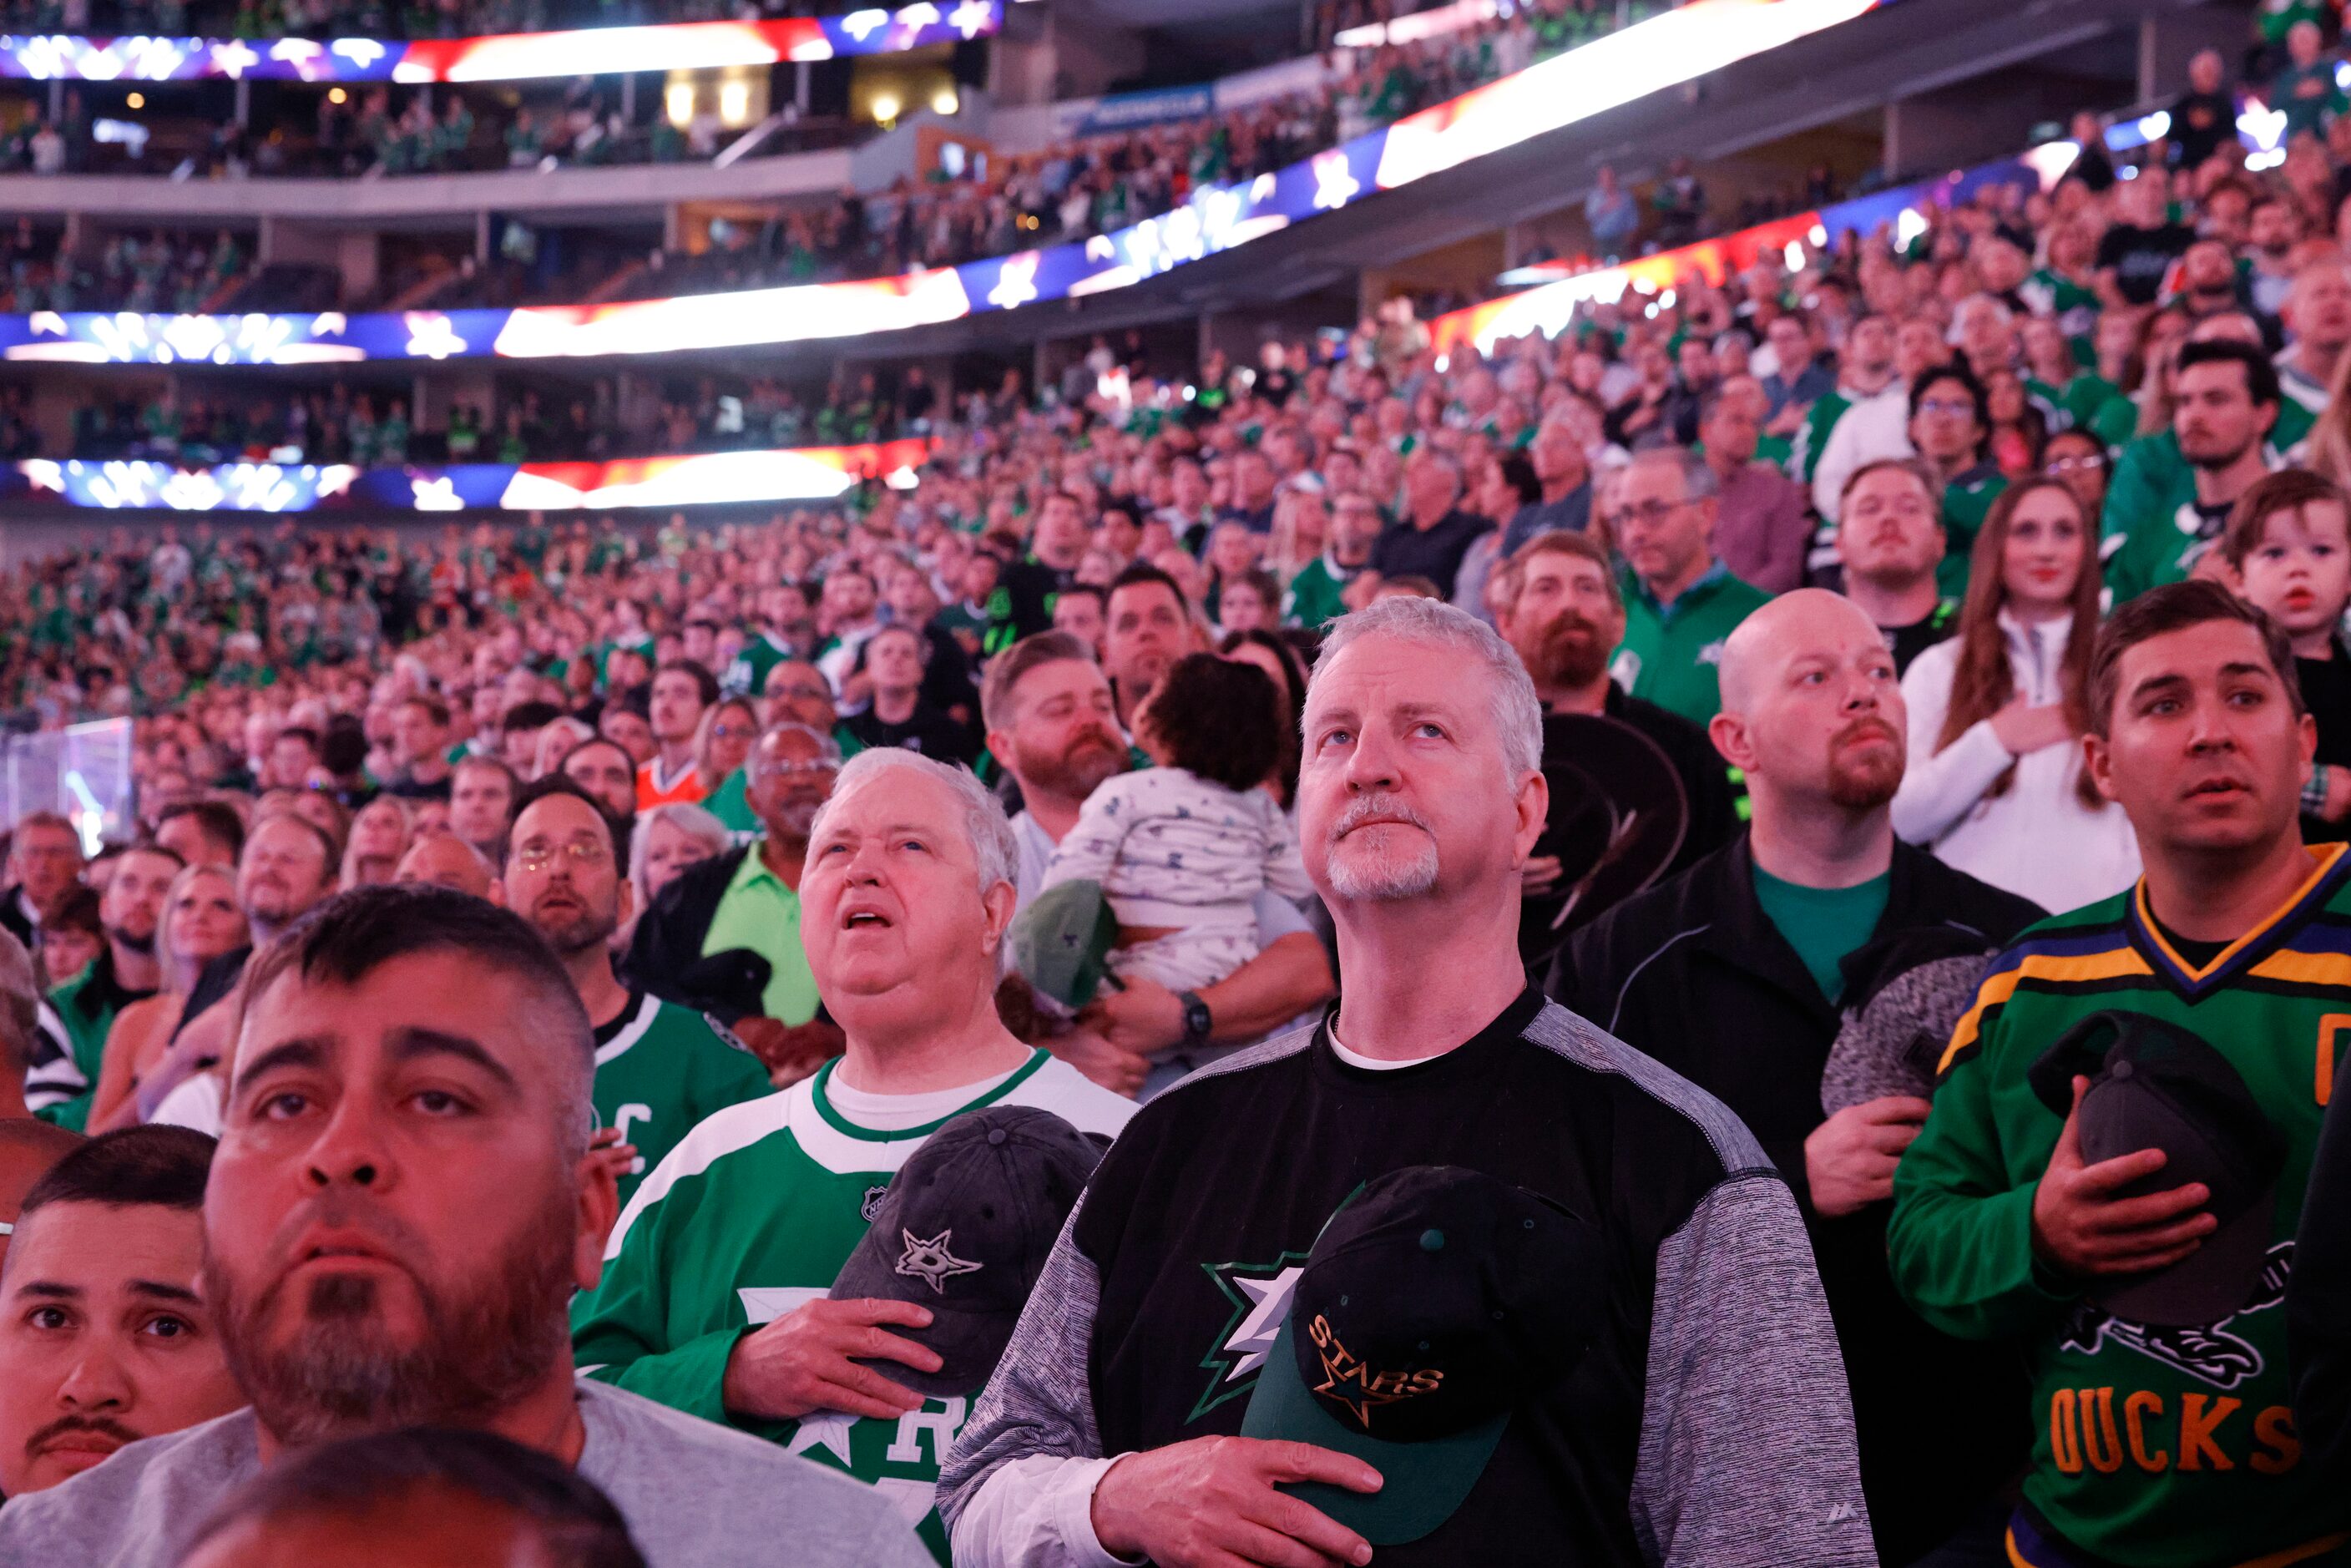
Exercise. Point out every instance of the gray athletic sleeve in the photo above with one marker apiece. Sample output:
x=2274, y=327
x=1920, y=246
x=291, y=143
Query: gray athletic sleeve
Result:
x=1040, y=1401
x=1747, y=1448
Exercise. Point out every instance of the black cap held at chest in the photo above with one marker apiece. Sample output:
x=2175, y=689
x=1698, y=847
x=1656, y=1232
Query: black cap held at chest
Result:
x=964, y=1230
x=2156, y=1085
x=1434, y=1300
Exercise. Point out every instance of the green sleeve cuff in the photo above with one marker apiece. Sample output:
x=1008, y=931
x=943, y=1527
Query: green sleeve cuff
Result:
x=692, y=1378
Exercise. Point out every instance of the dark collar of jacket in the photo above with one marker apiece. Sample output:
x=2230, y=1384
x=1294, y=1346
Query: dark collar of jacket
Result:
x=665, y=954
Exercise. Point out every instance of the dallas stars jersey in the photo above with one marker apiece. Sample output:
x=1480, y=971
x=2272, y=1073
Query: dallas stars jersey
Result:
x=752, y=1215
x=660, y=1071
x=747, y=674
x=2154, y=1447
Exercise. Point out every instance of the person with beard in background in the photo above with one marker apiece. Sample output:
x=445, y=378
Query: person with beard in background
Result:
x=401, y=1205
x=65, y=1060
x=724, y=938
x=1562, y=612
x=660, y=1068
x=1053, y=724
x=1734, y=976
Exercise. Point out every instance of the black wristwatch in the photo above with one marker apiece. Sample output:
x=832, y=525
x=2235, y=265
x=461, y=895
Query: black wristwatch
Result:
x=1196, y=1020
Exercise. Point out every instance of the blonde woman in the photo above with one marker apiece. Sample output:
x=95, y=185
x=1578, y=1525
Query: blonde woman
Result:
x=201, y=922
x=380, y=832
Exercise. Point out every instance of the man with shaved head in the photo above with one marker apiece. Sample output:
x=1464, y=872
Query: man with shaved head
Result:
x=444, y=860
x=1738, y=974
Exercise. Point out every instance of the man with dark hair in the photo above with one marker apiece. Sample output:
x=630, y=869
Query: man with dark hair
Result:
x=660, y=1068
x=45, y=863
x=1434, y=533
x=681, y=692
x=1950, y=431
x=1082, y=610
x=64, y=1071
x=202, y=832
x=1022, y=604
x=898, y=716
x=723, y=938
x=403, y=1202
x=105, y=1337
x=605, y=770
x=294, y=755
x=786, y=627
x=1149, y=626
x=1890, y=542
x=481, y=802
x=1812, y=915
x=420, y=749
x=518, y=729
x=2144, y=1280
x=423, y=1498
x=2225, y=404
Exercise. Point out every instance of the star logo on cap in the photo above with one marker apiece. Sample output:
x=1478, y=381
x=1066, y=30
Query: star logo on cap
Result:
x=931, y=1262
x=1348, y=1382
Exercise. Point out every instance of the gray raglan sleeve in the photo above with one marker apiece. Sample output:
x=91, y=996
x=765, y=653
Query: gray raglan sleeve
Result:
x=1017, y=1484
x=1746, y=1444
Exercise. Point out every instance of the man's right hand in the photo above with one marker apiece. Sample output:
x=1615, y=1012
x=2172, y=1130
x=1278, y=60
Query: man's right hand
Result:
x=1115, y=1068
x=2081, y=1228
x=1211, y=1501
x=1849, y=1159
x=801, y=1362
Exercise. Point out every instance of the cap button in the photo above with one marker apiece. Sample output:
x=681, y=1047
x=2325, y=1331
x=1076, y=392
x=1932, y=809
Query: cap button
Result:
x=996, y=1135
x=2119, y=1070
x=1432, y=1241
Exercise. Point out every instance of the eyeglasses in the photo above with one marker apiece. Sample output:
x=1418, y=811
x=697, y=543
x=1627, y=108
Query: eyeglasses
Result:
x=1649, y=512
x=583, y=852
x=732, y=731
x=1949, y=408
x=800, y=694
x=794, y=770
x=2086, y=463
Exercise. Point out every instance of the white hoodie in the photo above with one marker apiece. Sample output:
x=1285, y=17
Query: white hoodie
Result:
x=2038, y=839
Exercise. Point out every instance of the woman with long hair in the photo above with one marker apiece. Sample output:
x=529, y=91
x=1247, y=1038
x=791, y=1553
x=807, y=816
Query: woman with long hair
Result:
x=201, y=920
x=1995, y=785
x=380, y=832
x=728, y=729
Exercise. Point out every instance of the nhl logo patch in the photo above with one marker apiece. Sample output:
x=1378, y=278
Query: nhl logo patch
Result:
x=871, y=1205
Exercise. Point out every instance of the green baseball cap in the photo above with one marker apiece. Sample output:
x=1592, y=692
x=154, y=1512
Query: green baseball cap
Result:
x=1061, y=942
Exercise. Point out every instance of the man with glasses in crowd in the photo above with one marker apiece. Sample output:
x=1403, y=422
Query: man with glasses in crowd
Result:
x=1681, y=600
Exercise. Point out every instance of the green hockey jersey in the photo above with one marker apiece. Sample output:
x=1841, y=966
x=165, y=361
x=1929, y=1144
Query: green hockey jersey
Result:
x=660, y=1069
x=752, y=1215
x=2154, y=1447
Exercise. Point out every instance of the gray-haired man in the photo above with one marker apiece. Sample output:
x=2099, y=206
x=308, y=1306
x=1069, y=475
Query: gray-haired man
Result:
x=1705, y=1422
x=908, y=892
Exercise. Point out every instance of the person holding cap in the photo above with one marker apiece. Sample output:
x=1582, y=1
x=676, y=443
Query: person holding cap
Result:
x=2114, y=1167
x=1661, y=1384
x=718, y=1291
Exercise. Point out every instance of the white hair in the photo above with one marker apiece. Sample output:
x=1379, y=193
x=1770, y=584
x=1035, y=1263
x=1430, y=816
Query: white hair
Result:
x=985, y=825
x=1517, y=712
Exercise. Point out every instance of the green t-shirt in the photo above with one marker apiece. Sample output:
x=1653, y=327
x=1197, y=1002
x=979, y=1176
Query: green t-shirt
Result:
x=747, y=674
x=660, y=1069
x=1671, y=654
x=1313, y=600
x=1824, y=923
x=751, y=1217
x=758, y=911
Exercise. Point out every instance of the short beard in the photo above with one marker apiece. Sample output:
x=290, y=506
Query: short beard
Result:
x=1860, y=786
x=142, y=945
x=338, y=1376
x=1077, y=773
x=793, y=820
x=588, y=928
x=1569, y=652
x=1390, y=879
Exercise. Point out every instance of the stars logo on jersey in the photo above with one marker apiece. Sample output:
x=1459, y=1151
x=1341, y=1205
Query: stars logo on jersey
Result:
x=871, y=1205
x=931, y=1262
x=1259, y=1294
x=2208, y=1352
x=826, y=1429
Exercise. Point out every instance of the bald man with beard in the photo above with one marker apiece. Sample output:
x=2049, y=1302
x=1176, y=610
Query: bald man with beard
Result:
x=1740, y=974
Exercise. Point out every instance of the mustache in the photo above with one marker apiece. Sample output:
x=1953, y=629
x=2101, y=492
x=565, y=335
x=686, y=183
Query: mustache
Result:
x=65, y=1424
x=1861, y=727
x=1368, y=807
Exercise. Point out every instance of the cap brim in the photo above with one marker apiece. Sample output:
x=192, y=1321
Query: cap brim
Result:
x=2209, y=1284
x=1422, y=1483
x=968, y=1340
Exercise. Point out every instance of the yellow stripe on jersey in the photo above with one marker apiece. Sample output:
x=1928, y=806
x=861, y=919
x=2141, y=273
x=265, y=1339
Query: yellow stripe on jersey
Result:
x=2323, y=856
x=2120, y=962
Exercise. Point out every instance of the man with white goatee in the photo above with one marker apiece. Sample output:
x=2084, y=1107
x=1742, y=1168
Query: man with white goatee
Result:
x=1704, y=1420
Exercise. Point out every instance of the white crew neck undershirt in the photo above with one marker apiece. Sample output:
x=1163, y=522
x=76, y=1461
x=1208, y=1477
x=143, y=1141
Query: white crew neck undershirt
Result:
x=1374, y=1064
x=897, y=1112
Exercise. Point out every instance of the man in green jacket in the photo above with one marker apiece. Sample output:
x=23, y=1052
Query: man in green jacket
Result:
x=1681, y=600
x=2172, y=492
x=64, y=1073
x=2156, y=1445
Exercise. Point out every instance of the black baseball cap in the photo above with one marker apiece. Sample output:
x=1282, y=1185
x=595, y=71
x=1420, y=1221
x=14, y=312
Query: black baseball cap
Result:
x=2157, y=1085
x=1434, y=1302
x=964, y=1230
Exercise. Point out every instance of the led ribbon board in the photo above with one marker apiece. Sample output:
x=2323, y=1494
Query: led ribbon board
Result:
x=511, y=56
x=807, y=474
x=1702, y=37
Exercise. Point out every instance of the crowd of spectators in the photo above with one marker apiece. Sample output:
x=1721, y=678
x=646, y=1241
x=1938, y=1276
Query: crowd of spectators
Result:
x=1899, y=691
x=162, y=271
x=387, y=19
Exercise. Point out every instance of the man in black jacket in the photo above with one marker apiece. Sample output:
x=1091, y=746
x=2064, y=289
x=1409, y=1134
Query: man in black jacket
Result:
x=1734, y=974
x=723, y=938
